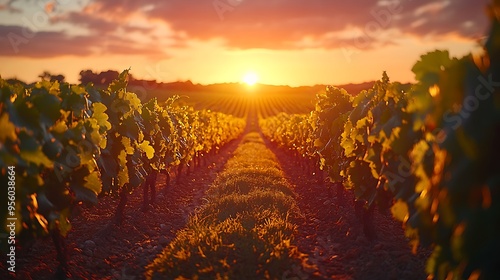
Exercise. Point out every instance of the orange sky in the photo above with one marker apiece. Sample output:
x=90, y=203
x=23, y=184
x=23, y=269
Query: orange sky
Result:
x=209, y=41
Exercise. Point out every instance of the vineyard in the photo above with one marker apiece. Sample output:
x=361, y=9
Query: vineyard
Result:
x=393, y=182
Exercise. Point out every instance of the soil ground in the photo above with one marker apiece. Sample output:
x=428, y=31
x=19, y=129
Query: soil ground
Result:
x=99, y=249
x=333, y=237
x=329, y=232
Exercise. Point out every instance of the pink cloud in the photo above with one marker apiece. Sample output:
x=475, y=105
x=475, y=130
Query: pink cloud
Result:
x=20, y=41
x=278, y=24
x=244, y=24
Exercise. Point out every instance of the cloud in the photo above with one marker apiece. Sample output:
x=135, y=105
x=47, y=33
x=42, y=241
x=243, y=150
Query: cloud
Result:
x=22, y=42
x=283, y=24
x=462, y=18
x=246, y=24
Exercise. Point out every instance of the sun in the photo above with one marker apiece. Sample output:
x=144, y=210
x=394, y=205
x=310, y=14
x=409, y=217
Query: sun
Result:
x=250, y=78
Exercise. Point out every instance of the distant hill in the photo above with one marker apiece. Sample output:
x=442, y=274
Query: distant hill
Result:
x=235, y=88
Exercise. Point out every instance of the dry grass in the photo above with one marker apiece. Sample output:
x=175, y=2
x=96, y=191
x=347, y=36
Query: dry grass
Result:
x=244, y=230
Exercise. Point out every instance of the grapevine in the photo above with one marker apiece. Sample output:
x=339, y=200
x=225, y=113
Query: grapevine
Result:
x=429, y=152
x=73, y=143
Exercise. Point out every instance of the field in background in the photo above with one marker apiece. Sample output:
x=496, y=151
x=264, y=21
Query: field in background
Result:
x=241, y=100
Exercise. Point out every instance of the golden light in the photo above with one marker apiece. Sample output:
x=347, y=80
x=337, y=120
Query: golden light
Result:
x=250, y=78
x=434, y=90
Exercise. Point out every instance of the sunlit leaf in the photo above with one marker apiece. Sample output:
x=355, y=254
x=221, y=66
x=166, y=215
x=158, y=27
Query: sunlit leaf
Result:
x=148, y=149
x=8, y=130
x=37, y=157
x=100, y=115
x=400, y=211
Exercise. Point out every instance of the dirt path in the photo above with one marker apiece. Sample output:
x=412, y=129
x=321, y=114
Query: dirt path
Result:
x=244, y=230
x=332, y=236
x=98, y=249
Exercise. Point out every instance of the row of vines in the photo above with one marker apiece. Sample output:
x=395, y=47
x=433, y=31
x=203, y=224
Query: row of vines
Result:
x=430, y=152
x=67, y=145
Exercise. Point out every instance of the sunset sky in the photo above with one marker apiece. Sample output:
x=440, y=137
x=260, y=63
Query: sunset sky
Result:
x=210, y=41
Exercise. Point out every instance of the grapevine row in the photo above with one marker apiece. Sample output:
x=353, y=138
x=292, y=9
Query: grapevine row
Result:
x=430, y=152
x=70, y=144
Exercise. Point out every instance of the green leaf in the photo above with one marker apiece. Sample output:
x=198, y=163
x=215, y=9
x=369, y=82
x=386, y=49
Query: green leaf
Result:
x=8, y=130
x=100, y=115
x=148, y=149
x=93, y=182
x=75, y=103
x=23, y=114
x=64, y=224
x=85, y=184
x=400, y=211
x=123, y=177
x=120, y=83
x=52, y=148
x=429, y=66
x=49, y=107
x=84, y=194
x=129, y=128
x=28, y=143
